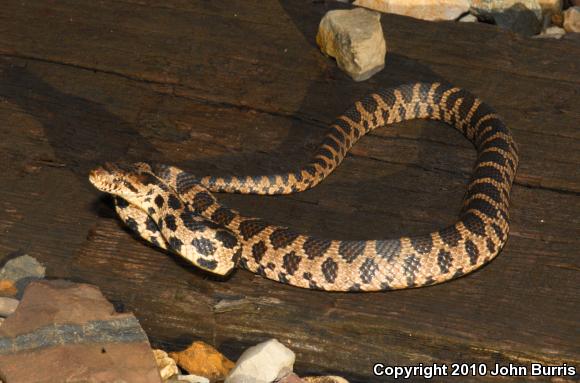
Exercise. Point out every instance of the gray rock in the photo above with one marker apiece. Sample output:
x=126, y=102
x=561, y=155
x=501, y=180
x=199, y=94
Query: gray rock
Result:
x=8, y=306
x=263, y=363
x=355, y=39
x=487, y=9
x=20, y=271
x=519, y=19
x=572, y=19
x=425, y=9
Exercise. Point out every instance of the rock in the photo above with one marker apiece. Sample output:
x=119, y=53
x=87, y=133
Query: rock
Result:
x=425, y=10
x=518, y=19
x=188, y=379
x=8, y=306
x=572, y=19
x=552, y=33
x=324, y=379
x=488, y=9
x=290, y=378
x=202, y=359
x=469, y=18
x=355, y=39
x=551, y=6
x=165, y=364
x=263, y=363
x=17, y=273
x=65, y=332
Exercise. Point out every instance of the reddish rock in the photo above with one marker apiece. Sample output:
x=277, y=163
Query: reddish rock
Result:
x=67, y=332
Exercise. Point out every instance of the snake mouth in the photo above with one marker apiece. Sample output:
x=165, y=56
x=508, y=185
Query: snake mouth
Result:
x=106, y=177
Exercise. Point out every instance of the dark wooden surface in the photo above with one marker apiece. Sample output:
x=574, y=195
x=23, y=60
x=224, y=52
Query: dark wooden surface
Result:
x=240, y=87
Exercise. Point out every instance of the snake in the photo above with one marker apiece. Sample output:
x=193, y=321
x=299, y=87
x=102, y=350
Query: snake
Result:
x=177, y=211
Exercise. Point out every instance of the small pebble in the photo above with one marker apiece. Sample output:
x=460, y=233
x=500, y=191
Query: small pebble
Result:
x=469, y=18
x=188, y=379
x=324, y=379
x=572, y=19
x=8, y=306
x=551, y=33
x=17, y=273
x=290, y=378
x=167, y=366
x=263, y=363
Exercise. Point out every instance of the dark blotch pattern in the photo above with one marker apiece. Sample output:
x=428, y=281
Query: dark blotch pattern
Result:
x=490, y=246
x=258, y=251
x=202, y=201
x=282, y=237
x=368, y=270
x=450, y=235
x=444, y=260
x=150, y=225
x=203, y=246
x=121, y=203
x=223, y=216
x=132, y=224
x=315, y=248
x=329, y=270
x=251, y=227
x=388, y=249
x=410, y=267
x=291, y=261
x=192, y=222
x=228, y=240
x=208, y=264
x=422, y=244
x=474, y=224
x=483, y=206
x=170, y=222
x=350, y=250
x=173, y=202
x=175, y=244
x=159, y=201
x=472, y=251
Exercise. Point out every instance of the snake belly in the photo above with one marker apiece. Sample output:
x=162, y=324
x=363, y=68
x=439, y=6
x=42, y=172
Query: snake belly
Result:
x=281, y=254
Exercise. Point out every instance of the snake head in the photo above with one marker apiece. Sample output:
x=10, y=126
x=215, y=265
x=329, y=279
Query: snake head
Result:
x=130, y=182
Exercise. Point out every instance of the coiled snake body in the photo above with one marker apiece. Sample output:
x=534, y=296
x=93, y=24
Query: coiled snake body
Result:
x=176, y=211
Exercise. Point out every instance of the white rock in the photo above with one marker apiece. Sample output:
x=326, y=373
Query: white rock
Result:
x=469, y=18
x=572, y=19
x=263, y=363
x=419, y=9
x=551, y=33
x=8, y=306
x=188, y=379
x=355, y=39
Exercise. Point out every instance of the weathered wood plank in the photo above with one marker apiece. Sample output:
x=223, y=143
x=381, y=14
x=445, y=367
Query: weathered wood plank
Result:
x=239, y=87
